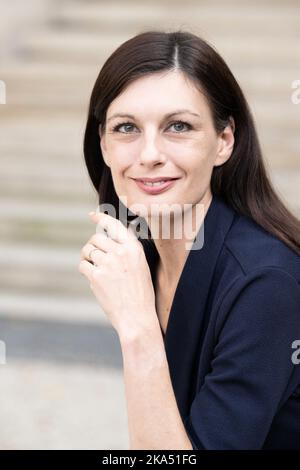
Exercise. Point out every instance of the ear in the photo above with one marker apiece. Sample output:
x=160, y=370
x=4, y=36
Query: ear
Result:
x=102, y=136
x=226, y=143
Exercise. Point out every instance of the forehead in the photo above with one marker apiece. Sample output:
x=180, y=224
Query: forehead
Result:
x=159, y=93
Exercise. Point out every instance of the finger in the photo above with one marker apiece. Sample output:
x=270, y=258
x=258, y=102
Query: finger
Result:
x=86, y=269
x=114, y=227
x=103, y=242
x=86, y=250
x=92, y=253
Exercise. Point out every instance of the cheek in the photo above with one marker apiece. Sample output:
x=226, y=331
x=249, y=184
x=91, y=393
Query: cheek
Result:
x=197, y=165
x=121, y=157
x=122, y=149
x=200, y=153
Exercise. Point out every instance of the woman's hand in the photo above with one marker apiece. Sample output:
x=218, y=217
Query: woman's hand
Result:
x=120, y=279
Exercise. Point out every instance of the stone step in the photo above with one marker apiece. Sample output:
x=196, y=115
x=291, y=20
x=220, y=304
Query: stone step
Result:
x=44, y=85
x=95, y=47
x=26, y=209
x=242, y=18
x=63, y=308
x=277, y=115
x=178, y=3
x=47, y=224
x=30, y=268
x=287, y=184
x=282, y=155
x=50, y=135
x=45, y=191
x=72, y=170
x=73, y=47
x=16, y=18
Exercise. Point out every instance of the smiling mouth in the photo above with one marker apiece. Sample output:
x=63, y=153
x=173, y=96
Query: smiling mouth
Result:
x=155, y=187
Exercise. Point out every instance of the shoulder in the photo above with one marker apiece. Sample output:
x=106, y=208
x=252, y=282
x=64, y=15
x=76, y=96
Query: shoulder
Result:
x=253, y=249
x=258, y=277
x=259, y=305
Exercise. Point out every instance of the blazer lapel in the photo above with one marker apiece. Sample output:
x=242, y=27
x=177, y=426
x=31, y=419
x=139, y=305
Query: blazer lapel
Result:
x=186, y=324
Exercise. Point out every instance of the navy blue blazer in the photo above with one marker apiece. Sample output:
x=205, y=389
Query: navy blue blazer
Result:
x=229, y=340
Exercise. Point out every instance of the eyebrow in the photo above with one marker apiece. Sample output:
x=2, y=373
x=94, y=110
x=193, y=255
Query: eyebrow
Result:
x=173, y=113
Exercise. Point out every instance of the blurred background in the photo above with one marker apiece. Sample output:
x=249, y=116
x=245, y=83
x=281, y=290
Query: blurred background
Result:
x=61, y=385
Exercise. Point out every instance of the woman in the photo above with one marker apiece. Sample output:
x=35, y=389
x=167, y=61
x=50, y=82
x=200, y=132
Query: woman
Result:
x=209, y=326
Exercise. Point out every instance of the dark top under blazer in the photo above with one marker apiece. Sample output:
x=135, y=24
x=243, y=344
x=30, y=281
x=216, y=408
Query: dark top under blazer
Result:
x=233, y=320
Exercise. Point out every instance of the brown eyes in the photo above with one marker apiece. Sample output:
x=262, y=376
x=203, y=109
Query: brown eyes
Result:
x=129, y=124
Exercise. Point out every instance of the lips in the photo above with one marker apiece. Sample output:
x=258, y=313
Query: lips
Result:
x=157, y=188
x=157, y=178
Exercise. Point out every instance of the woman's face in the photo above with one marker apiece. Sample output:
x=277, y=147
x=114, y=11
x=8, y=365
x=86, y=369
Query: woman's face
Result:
x=150, y=144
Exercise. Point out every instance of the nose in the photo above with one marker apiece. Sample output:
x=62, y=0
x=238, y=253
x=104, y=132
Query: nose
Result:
x=150, y=152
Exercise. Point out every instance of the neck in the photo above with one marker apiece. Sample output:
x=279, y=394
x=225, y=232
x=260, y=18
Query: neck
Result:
x=173, y=251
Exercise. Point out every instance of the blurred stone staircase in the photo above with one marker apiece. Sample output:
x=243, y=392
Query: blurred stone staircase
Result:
x=49, y=65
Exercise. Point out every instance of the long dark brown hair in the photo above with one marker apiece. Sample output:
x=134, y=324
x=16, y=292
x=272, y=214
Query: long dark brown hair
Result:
x=242, y=181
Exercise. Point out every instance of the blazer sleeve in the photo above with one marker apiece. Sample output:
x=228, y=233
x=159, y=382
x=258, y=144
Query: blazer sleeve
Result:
x=252, y=363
